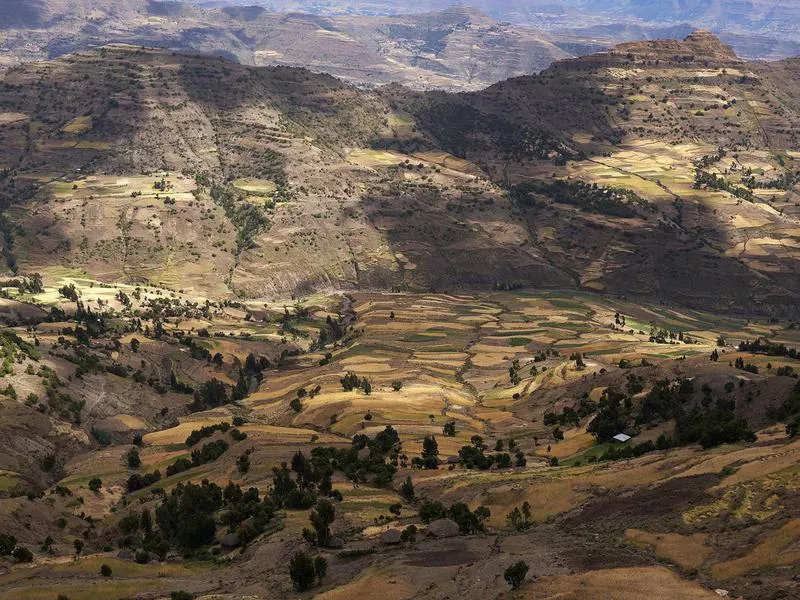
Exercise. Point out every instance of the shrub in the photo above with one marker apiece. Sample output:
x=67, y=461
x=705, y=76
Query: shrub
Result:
x=95, y=484
x=320, y=567
x=22, y=554
x=105, y=570
x=301, y=571
x=515, y=574
x=7, y=544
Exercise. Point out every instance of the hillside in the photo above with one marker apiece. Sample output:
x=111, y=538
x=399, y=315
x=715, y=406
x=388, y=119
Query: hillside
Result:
x=299, y=183
x=269, y=335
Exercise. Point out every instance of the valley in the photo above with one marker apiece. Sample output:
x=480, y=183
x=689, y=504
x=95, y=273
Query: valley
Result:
x=268, y=334
x=500, y=366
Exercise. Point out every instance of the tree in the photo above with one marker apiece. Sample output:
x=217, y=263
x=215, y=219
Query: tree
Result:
x=431, y=510
x=515, y=574
x=69, y=292
x=243, y=463
x=793, y=428
x=409, y=534
x=449, y=429
x=430, y=447
x=477, y=441
x=133, y=459
x=321, y=518
x=407, y=490
x=320, y=568
x=135, y=344
x=78, y=544
x=95, y=484
x=105, y=570
x=301, y=571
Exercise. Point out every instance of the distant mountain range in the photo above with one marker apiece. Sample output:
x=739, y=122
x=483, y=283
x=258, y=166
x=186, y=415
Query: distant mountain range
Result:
x=439, y=46
x=755, y=28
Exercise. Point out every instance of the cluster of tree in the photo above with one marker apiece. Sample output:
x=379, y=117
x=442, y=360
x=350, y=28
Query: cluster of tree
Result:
x=70, y=292
x=468, y=521
x=333, y=331
x=352, y=382
x=299, y=486
x=624, y=451
x=186, y=520
x=248, y=218
x=661, y=335
x=321, y=517
x=198, y=351
x=304, y=570
x=211, y=394
x=9, y=547
x=176, y=385
x=513, y=372
x=569, y=415
x=208, y=453
x=429, y=458
x=589, y=197
x=474, y=456
x=140, y=481
x=788, y=410
x=711, y=424
x=30, y=284
x=749, y=367
x=297, y=402
x=520, y=519
x=206, y=431
x=768, y=348
x=712, y=181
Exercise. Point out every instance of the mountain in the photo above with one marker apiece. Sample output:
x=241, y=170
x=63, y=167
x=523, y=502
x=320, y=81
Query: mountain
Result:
x=457, y=48
x=692, y=148
x=267, y=334
x=756, y=28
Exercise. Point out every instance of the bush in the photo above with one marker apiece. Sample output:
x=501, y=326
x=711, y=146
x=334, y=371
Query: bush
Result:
x=22, y=554
x=95, y=484
x=431, y=510
x=515, y=574
x=301, y=571
x=105, y=570
x=7, y=544
x=181, y=595
x=320, y=568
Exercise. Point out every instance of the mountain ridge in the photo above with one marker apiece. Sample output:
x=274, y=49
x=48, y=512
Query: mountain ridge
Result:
x=339, y=155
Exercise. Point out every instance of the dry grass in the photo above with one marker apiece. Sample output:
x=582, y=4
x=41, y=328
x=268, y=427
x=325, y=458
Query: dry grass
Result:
x=644, y=583
x=687, y=551
x=779, y=548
